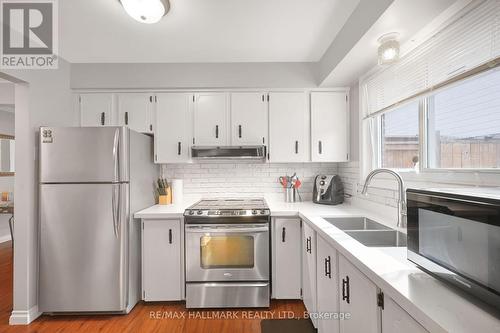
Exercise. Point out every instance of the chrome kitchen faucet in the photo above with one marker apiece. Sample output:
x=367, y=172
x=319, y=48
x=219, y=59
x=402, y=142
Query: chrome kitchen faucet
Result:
x=402, y=212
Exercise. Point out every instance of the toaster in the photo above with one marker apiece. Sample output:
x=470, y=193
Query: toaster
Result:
x=328, y=190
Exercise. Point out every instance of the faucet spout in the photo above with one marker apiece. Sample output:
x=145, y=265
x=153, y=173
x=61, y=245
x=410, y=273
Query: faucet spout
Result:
x=402, y=211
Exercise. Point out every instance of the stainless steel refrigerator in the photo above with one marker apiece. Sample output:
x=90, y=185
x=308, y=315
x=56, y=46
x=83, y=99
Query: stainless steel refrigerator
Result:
x=92, y=179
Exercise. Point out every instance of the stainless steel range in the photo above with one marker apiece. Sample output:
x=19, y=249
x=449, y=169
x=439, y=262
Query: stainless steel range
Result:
x=227, y=253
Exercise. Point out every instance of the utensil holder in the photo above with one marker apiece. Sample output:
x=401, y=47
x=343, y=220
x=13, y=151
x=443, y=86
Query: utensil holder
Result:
x=290, y=194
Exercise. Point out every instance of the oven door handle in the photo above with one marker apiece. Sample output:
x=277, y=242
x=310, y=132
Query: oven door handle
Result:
x=226, y=230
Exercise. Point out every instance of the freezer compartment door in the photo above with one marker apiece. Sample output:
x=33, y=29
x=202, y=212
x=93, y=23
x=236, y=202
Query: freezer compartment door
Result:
x=84, y=154
x=83, y=247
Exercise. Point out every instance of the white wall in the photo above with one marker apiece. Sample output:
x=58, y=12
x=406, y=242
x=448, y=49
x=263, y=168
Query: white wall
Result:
x=251, y=179
x=6, y=93
x=6, y=183
x=354, y=121
x=44, y=100
x=209, y=75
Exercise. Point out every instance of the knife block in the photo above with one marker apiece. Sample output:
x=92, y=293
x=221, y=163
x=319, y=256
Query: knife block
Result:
x=167, y=198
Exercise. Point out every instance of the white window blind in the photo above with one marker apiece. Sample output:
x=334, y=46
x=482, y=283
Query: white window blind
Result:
x=466, y=42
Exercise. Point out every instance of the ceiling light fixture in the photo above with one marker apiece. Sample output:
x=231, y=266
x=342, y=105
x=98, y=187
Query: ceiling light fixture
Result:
x=146, y=11
x=388, y=51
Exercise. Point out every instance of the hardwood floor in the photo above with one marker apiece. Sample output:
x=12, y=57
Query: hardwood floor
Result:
x=169, y=317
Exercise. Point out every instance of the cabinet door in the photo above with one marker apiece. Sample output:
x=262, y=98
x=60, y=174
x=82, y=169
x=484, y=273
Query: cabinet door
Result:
x=210, y=119
x=135, y=111
x=396, y=320
x=358, y=296
x=327, y=289
x=329, y=127
x=287, y=258
x=96, y=110
x=161, y=260
x=288, y=127
x=249, y=120
x=309, y=269
x=174, y=129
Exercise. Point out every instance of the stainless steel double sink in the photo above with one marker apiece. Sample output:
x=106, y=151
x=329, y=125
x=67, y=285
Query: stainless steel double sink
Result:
x=368, y=232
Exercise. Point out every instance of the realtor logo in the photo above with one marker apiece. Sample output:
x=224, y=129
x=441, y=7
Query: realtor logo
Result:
x=29, y=34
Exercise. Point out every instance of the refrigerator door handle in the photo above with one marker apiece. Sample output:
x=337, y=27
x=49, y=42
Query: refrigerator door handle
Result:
x=116, y=159
x=115, y=202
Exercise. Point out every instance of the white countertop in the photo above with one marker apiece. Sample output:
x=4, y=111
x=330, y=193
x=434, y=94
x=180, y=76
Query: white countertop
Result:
x=436, y=306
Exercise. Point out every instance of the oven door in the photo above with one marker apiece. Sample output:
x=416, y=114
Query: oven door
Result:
x=227, y=252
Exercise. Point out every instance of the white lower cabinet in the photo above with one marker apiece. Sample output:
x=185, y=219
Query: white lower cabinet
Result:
x=162, y=260
x=286, y=259
x=396, y=320
x=358, y=297
x=309, y=269
x=327, y=289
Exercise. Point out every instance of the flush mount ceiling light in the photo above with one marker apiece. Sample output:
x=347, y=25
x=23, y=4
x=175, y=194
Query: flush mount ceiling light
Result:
x=388, y=51
x=146, y=11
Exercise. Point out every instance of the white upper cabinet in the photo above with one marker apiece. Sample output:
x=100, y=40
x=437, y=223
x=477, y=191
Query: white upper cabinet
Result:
x=327, y=286
x=174, y=127
x=210, y=119
x=329, y=127
x=249, y=118
x=96, y=110
x=358, y=296
x=135, y=110
x=287, y=239
x=288, y=127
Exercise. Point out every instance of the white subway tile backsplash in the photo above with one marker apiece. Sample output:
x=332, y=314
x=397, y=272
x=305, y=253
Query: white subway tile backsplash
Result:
x=245, y=178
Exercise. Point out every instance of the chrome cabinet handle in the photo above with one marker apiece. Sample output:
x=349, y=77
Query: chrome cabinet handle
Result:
x=116, y=162
x=103, y=118
x=216, y=131
x=115, y=208
x=296, y=147
x=126, y=118
x=283, y=235
x=239, y=131
x=346, y=290
x=170, y=236
x=320, y=147
x=225, y=230
x=178, y=148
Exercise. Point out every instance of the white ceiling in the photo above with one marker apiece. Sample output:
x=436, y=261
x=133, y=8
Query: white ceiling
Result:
x=203, y=31
x=407, y=17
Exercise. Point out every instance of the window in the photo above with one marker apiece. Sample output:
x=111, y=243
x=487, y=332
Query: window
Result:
x=462, y=129
x=464, y=124
x=400, y=137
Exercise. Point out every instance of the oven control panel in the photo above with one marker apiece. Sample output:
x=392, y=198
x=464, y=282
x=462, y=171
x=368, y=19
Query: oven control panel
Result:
x=227, y=212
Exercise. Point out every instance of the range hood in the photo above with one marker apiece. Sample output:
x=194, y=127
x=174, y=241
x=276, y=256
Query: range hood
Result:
x=229, y=152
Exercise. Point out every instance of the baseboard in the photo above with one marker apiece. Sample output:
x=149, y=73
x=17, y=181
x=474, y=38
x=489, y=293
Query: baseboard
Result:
x=5, y=238
x=24, y=317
